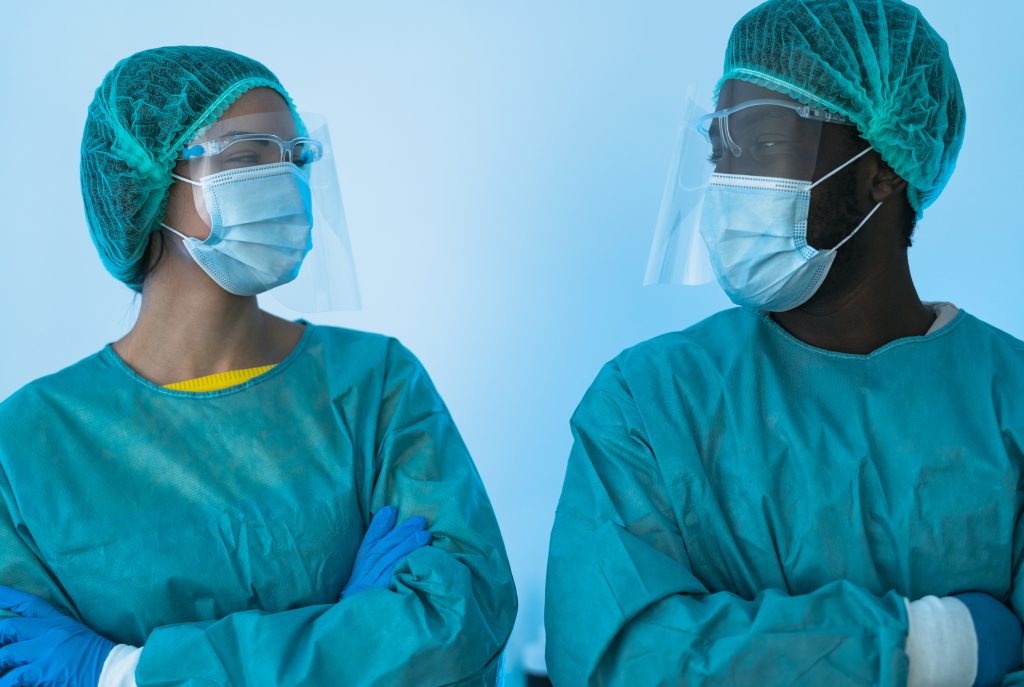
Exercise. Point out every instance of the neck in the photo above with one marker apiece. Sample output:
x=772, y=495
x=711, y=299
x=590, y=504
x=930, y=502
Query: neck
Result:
x=189, y=327
x=862, y=312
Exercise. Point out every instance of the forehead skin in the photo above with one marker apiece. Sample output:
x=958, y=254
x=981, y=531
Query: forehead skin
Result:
x=257, y=101
x=260, y=110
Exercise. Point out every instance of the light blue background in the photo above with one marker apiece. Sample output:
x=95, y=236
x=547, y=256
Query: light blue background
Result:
x=502, y=168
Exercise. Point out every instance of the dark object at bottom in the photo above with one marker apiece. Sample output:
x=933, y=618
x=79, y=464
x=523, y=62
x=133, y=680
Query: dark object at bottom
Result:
x=537, y=681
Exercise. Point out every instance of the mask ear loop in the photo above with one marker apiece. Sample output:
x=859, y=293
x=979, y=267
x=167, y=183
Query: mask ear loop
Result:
x=174, y=231
x=196, y=183
x=873, y=210
x=834, y=171
x=862, y=223
x=170, y=228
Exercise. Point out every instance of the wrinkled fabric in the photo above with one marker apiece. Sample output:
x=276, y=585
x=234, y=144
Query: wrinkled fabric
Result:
x=742, y=508
x=877, y=62
x=148, y=107
x=219, y=528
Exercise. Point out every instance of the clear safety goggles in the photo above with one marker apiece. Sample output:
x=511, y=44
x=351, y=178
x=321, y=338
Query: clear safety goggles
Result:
x=239, y=150
x=773, y=137
x=715, y=126
x=327, y=280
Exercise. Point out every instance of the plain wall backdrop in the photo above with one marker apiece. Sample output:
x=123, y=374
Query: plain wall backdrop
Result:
x=502, y=167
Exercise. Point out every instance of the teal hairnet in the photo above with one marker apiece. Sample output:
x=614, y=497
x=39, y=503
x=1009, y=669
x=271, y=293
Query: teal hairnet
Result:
x=147, y=108
x=878, y=62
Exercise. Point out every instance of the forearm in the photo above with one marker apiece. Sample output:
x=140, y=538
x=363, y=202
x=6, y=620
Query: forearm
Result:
x=620, y=609
x=436, y=626
x=721, y=639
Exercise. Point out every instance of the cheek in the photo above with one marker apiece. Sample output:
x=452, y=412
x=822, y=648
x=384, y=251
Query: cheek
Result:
x=831, y=217
x=183, y=214
x=820, y=219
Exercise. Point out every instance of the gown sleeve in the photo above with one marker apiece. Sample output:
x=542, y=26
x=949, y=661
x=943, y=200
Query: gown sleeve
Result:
x=1014, y=437
x=450, y=607
x=626, y=607
x=21, y=564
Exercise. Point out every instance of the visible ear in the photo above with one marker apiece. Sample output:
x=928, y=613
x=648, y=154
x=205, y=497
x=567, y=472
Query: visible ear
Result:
x=885, y=183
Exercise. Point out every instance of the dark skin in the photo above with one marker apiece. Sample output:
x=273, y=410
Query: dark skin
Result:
x=868, y=298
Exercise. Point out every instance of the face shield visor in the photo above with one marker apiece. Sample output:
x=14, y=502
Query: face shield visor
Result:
x=326, y=280
x=766, y=138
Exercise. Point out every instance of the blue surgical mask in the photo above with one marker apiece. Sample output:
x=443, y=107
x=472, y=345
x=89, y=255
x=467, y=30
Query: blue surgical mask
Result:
x=755, y=229
x=261, y=224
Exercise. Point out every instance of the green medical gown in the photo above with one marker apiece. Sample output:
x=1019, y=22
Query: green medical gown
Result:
x=741, y=508
x=219, y=528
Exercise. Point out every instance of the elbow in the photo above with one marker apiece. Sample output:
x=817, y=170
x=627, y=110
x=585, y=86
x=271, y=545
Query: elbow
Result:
x=467, y=607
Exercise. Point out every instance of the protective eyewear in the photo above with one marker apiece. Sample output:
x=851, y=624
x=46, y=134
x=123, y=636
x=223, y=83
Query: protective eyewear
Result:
x=739, y=133
x=237, y=150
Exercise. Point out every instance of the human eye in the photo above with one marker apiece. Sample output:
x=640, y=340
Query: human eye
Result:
x=245, y=153
x=770, y=144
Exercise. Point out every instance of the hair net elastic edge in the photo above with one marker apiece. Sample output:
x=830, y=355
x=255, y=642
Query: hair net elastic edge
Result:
x=225, y=101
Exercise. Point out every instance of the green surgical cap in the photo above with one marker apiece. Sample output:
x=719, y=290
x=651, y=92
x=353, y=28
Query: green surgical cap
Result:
x=877, y=62
x=147, y=108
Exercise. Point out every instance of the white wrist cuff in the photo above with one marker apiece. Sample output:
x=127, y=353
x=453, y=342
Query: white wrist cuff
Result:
x=941, y=643
x=119, y=668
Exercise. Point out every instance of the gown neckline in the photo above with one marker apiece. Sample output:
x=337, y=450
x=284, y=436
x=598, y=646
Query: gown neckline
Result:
x=110, y=355
x=881, y=350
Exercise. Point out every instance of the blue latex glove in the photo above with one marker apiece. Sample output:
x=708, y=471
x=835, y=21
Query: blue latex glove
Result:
x=383, y=546
x=1000, y=637
x=42, y=646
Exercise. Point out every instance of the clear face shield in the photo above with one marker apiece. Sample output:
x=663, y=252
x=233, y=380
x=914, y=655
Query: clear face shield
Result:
x=326, y=280
x=771, y=137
